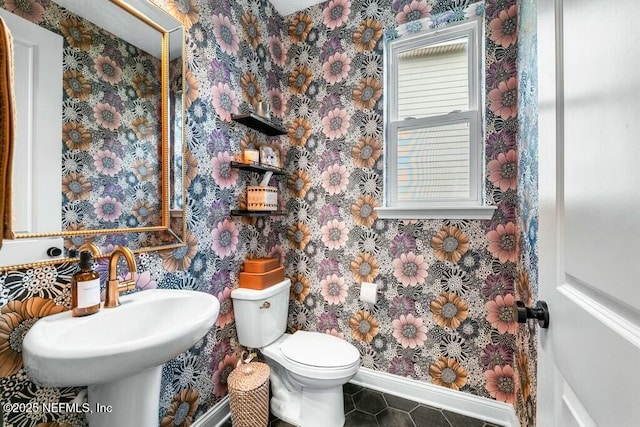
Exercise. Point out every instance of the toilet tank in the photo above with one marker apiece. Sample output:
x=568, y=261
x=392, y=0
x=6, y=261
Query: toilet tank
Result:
x=261, y=315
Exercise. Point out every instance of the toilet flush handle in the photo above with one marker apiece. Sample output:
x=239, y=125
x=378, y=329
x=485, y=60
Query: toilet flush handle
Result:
x=265, y=304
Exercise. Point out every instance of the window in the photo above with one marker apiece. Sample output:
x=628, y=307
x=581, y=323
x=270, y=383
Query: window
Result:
x=434, y=125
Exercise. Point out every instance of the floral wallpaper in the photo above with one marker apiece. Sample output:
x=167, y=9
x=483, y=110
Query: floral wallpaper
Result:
x=444, y=316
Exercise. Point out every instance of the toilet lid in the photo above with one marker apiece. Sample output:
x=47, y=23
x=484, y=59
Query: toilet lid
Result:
x=318, y=349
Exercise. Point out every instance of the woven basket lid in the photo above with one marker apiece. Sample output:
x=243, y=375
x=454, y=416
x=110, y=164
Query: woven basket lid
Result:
x=248, y=376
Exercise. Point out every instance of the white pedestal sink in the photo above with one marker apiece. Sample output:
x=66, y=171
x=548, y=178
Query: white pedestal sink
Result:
x=119, y=352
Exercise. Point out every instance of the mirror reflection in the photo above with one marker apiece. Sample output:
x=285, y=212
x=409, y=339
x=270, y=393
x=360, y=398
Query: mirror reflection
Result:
x=116, y=137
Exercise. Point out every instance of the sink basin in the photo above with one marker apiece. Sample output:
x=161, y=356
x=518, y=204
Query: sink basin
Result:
x=118, y=350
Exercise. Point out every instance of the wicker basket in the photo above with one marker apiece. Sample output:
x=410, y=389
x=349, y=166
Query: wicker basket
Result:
x=249, y=395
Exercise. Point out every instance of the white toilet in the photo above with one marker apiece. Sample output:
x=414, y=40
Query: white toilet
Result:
x=308, y=369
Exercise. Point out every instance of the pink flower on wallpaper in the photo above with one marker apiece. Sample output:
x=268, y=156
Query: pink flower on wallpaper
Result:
x=107, y=116
x=503, y=171
x=503, y=242
x=225, y=238
x=143, y=280
x=225, y=316
x=31, y=10
x=334, y=234
x=336, y=123
x=221, y=374
x=504, y=28
x=503, y=100
x=502, y=383
x=107, y=162
x=336, y=13
x=409, y=331
x=335, y=179
x=277, y=51
x=107, y=69
x=417, y=9
x=222, y=172
x=333, y=289
x=226, y=34
x=225, y=101
x=410, y=269
x=501, y=314
x=336, y=68
x=278, y=102
x=107, y=208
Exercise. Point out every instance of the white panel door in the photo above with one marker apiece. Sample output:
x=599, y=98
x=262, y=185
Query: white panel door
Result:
x=589, y=130
x=38, y=140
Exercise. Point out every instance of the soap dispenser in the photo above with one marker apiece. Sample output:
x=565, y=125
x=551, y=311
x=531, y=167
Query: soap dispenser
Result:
x=85, y=288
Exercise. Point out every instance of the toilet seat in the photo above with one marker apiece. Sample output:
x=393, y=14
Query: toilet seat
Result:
x=302, y=363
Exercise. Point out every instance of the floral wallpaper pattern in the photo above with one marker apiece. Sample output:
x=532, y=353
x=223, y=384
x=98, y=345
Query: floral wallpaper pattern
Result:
x=448, y=285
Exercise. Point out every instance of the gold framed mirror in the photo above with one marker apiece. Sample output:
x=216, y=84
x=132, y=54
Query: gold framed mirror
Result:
x=119, y=137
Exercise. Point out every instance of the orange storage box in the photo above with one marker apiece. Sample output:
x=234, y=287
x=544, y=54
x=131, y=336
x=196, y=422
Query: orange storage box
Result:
x=261, y=281
x=260, y=265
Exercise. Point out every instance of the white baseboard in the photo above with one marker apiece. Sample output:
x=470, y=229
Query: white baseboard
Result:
x=216, y=416
x=467, y=404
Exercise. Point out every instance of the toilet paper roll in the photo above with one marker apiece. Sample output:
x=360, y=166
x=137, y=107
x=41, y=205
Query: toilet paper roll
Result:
x=368, y=292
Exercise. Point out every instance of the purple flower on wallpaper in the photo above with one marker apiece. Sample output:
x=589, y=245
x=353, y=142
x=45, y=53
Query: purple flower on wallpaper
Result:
x=218, y=72
x=496, y=355
x=494, y=7
x=328, y=158
x=113, y=145
x=329, y=103
x=225, y=238
x=218, y=142
x=500, y=142
x=401, y=305
x=403, y=366
x=113, y=190
x=497, y=284
x=218, y=211
x=274, y=24
x=107, y=208
x=327, y=321
x=219, y=351
x=402, y=244
x=114, y=99
x=107, y=163
x=501, y=71
x=219, y=281
x=112, y=52
x=327, y=267
x=273, y=80
x=505, y=213
x=328, y=213
x=330, y=47
x=226, y=34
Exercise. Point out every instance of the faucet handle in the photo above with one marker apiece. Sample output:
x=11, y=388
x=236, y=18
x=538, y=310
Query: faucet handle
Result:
x=126, y=285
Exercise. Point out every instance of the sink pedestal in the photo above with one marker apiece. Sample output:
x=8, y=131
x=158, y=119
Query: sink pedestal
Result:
x=133, y=401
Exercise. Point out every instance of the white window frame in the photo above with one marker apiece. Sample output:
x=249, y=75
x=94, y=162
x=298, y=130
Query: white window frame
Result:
x=468, y=208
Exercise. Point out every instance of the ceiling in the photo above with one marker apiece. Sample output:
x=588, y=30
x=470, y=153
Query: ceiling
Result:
x=286, y=7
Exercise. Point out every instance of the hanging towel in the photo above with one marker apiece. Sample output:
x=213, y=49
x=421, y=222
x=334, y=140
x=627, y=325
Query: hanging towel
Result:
x=7, y=132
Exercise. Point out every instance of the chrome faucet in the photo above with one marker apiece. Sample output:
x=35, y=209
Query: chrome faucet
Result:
x=115, y=286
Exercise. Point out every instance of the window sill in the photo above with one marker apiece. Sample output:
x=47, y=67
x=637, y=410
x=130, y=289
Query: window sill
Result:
x=474, y=212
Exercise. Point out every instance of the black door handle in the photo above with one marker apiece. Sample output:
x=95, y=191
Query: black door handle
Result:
x=539, y=311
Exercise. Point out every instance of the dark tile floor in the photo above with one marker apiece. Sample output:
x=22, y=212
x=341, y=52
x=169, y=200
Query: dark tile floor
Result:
x=369, y=408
